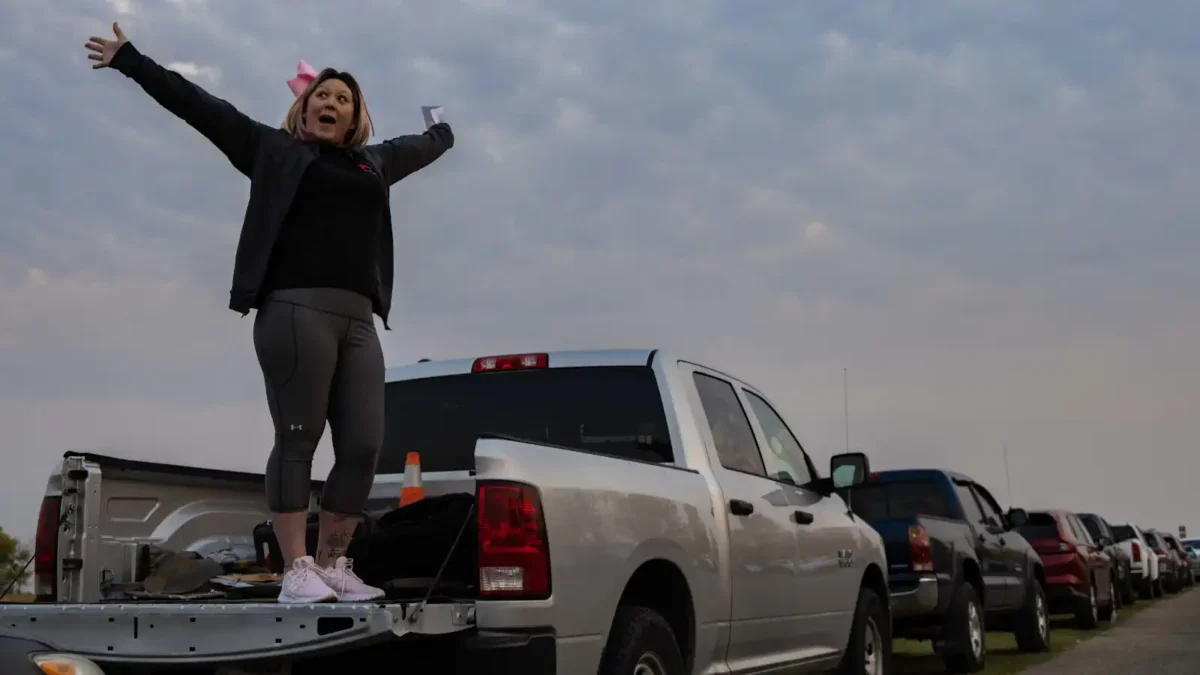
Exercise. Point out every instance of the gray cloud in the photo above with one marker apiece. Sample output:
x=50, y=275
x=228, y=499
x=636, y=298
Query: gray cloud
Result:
x=983, y=209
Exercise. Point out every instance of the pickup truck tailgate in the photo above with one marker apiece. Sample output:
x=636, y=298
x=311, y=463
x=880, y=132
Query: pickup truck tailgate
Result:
x=205, y=633
x=894, y=533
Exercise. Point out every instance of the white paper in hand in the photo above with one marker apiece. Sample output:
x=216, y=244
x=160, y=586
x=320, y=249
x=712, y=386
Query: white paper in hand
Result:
x=432, y=113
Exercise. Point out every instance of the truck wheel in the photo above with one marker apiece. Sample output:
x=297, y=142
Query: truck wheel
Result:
x=1158, y=587
x=1087, y=611
x=965, y=650
x=641, y=642
x=869, y=651
x=1033, y=621
x=1129, y=596
x=1146, y=590
x=1108, y=612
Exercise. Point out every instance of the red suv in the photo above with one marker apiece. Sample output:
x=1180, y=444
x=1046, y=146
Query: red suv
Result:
x=1078, y=571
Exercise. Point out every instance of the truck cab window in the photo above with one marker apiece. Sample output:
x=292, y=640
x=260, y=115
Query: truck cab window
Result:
x=784, y=458
x=610, y=410
x=1123, y=533
x=992, y=516
x=970, y=505
x=736, y=447
x=1094, y=527
x=1081, y=532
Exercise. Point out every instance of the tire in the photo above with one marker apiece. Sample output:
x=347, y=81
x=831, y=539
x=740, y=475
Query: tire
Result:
x=1108, y=612
x=1129, y=595
x=1146, y=590
x=1157, y=588
x=869, y=650
x=641, y=636
x=1087, y=612
x=1032, y=621
x=965, y=632
x=1114, y=591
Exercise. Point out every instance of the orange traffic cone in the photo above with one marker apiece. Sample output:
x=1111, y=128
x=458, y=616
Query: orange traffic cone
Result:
x=412, y=491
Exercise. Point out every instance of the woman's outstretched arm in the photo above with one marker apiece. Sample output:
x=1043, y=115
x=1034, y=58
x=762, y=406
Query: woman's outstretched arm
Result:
x=234, y=134
x=403, y=155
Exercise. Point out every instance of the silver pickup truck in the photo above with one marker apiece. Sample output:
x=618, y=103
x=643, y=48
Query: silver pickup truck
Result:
x=633, y=513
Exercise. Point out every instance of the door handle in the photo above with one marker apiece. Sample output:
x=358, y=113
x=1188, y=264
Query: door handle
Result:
x=802, y=517
x=740, y=508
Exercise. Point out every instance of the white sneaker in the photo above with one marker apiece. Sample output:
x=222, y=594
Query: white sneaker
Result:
x=303, y=584
x=349, y=588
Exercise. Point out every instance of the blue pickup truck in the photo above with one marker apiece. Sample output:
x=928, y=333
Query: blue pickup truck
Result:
x=956, y=565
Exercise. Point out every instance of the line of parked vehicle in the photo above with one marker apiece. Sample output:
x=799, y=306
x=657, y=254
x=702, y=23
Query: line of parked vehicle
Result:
x=959, y=566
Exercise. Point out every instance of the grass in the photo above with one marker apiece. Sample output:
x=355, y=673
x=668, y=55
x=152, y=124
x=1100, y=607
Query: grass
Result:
x=17, y=597
x=1003, y=657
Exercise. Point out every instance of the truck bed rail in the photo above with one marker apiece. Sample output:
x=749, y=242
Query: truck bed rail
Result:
x=165, y=634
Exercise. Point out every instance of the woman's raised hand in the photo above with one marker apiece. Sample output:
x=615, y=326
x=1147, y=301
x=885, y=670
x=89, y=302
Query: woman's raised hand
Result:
x=103, y=50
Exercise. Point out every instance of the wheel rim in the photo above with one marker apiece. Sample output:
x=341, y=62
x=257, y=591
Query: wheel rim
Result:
x=650, y=664
x=872, y=649
x=975, y=629
x=1043, y=622
x=1095, y=610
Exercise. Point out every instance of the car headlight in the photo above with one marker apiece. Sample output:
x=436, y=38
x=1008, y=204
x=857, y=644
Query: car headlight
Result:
x=66, y=664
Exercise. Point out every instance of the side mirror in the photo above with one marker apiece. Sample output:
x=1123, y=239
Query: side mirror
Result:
x=1105, y=542
x=849, y=469
x=1017, y=517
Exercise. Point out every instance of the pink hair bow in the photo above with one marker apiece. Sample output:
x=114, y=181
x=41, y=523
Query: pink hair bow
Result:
x=304, y=77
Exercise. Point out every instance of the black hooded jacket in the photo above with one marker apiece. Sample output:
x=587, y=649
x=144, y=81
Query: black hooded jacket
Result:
x=274, y=161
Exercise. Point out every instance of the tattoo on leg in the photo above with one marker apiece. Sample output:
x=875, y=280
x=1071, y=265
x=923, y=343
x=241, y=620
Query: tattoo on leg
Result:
x=335, y=545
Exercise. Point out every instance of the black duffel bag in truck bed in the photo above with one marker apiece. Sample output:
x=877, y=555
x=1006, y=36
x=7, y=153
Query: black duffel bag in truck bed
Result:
x=403, y=550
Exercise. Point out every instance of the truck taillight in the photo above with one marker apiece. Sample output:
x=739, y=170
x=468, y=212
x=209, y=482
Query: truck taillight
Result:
x=45, y=551
x=514, y=556
x=920, y=550
x=1137, y=551
x=493, y=364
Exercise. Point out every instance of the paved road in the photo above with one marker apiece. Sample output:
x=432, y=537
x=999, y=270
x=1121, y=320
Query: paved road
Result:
x=1162, y=640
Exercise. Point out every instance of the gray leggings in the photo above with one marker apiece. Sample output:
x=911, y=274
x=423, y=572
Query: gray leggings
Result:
x=321, y=359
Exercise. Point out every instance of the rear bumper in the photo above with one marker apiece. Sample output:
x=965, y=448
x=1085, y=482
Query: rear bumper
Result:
x=1063, y=598
x=502, y=653
x=478, y=652
x=916, y=601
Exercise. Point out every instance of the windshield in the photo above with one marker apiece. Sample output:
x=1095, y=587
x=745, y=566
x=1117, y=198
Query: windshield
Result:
x=1124, y=532
x=1039, y=526
x=611, y=410
x=909, y=499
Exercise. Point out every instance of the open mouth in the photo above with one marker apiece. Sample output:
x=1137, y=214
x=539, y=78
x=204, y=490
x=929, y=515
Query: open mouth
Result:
x=326, y=119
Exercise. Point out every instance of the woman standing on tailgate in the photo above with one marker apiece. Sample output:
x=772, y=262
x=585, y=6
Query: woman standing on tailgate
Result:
x=315, y=260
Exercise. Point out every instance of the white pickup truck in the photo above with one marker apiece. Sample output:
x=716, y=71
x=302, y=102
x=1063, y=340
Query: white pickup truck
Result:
x=633, y=512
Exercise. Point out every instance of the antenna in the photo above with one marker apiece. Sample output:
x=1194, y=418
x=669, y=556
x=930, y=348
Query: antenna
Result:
x=846, y=405
x=1007, y=475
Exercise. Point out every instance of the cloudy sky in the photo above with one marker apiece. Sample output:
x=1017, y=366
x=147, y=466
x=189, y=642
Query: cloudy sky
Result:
x=979, y=208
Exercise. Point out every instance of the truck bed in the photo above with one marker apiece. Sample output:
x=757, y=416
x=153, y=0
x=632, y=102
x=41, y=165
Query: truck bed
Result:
x=115, y=514
x=111, y=510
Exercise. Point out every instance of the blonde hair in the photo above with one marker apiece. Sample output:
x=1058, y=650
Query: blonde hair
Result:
x=362, y=127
